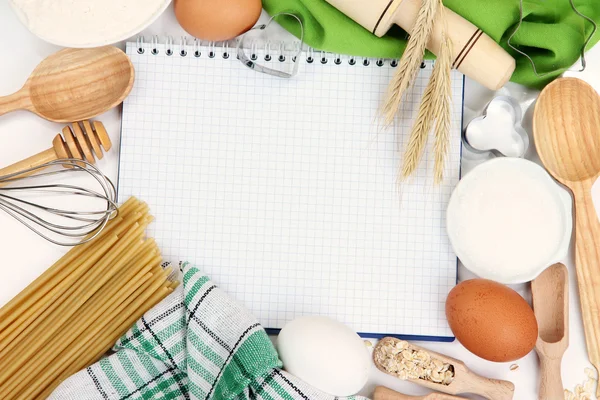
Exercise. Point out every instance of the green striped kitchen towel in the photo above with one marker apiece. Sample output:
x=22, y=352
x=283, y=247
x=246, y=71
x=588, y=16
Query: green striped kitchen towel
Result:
x=198, y=343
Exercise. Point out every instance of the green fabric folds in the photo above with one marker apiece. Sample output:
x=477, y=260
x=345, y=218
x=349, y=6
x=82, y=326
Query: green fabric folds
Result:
x=552, y=34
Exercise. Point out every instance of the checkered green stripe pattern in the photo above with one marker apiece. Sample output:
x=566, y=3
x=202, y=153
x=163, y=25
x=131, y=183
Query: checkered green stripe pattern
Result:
x=198, y=343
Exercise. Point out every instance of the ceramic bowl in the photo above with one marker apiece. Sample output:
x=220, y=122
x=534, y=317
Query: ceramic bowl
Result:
x=125, y=31
x=506, y=218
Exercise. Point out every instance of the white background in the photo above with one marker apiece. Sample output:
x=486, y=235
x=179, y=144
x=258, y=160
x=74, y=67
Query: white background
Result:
x=24, y=256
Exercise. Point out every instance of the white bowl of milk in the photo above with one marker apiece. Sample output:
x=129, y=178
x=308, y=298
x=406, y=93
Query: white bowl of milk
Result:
x=508, y=220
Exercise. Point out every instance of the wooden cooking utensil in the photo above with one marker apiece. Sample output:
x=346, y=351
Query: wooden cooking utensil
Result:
x=465, y=381
x=475, y=54
x=74, y=84
x=551, y=306
x=383, y=393
x=78, y=143
x=566, y=127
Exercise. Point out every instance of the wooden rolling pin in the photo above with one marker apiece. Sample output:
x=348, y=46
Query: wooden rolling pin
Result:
x=383, y=393
x=475, y=54
x=76, y=144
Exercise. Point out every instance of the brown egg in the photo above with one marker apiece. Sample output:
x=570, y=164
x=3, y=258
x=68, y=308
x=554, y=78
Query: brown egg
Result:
x=217, y=20
x=491, y=320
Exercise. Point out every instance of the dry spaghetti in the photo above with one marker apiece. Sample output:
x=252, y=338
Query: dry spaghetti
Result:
x=75, y=311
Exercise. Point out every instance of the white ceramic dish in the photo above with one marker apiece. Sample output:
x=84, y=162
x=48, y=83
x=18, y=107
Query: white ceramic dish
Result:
x=476, y=218
x=145, y=17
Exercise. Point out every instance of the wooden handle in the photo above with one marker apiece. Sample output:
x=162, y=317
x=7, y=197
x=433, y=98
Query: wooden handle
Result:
x=493, y=389
x=551, y=387
x=475, y=54
x=16, y=101
x=31, y=162
x=383, y=393
x=587, y=262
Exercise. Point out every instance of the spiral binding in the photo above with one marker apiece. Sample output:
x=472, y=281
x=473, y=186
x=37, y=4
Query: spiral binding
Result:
x=273, y=51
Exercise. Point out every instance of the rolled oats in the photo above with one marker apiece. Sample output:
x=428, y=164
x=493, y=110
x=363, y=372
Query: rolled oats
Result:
x=437, y=377
x=422, y=356
x=448, y=377
x=586, y=390
x=397, y=358
x=569, y=395
x=588, y=386
x=590, y=373
x=408, y=355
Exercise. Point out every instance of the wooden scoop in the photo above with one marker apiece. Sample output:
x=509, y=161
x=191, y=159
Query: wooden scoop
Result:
x=464, y=380
x=75, y=142
x=566, y=127
x=74, y=84
x=551, y=306
x=383, y=393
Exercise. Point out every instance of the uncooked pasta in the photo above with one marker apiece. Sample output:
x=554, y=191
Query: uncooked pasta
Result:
x=75, y=311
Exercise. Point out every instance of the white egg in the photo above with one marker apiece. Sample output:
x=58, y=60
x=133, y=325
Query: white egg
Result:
x=325, y=354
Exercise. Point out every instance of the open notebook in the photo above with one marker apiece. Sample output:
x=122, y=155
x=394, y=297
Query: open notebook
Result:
x=284, y=190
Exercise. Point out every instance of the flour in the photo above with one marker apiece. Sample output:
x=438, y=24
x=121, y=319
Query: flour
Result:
x=507, y=221
x=82, y=23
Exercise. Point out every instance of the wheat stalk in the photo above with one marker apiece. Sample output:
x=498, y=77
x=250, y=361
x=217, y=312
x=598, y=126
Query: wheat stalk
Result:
x=434, y=109
x=411, y=59
x=443, y=107
x=420, y=130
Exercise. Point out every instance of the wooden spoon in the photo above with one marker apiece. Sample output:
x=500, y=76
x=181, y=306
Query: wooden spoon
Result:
x=566, y=127
x=74, y=84
x=551, y=306
x=464, y=380
x=383, y=393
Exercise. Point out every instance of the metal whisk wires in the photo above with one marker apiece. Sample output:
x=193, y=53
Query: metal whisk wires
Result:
x=44, y=207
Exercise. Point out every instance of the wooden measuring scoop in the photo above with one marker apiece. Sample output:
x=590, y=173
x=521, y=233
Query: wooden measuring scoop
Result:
x=551, y=306
x=566, y=128
x=463, y=380
x=383, y=393
x=74, y=84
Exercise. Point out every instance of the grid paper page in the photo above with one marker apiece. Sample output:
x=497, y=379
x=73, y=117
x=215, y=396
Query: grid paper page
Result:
x=284, y=190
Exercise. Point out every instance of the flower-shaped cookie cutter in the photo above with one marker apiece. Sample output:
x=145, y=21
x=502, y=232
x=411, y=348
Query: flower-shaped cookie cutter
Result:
x=498, y=130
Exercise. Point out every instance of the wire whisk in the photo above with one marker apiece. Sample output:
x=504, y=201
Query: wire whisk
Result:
x=66, y=214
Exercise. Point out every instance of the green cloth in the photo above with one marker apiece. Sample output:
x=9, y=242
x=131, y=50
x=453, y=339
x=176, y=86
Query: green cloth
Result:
x=552, y=34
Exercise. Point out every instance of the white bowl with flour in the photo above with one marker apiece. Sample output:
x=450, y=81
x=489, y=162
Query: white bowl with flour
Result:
x=87, y=23
x=508, y=220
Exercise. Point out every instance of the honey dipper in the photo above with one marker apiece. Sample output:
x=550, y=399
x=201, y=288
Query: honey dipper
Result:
x=81, y=141
x=462, y=381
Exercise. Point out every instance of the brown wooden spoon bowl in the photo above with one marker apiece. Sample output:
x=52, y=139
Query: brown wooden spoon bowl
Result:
x=74, y=84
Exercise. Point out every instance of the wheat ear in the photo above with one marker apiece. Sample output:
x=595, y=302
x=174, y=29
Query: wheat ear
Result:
x=411, y=59
x=434, y=108
x=443, y=110
x=420, y=131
